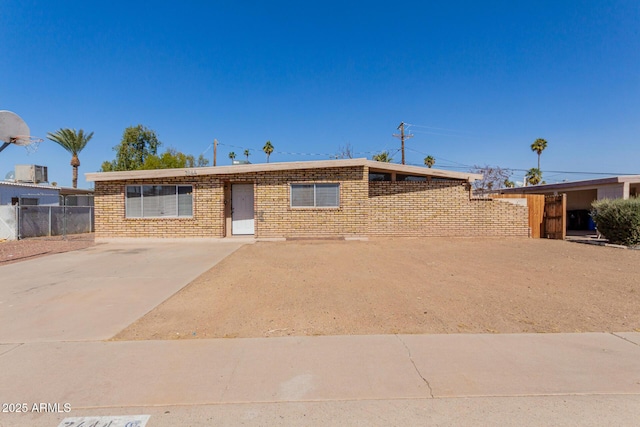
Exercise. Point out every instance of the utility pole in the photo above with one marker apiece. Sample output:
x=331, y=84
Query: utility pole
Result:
x=215, y=150
x=402, y=137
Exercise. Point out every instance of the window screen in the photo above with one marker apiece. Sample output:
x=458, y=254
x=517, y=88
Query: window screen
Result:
x=134, y=201
x=152, y=201
x=327, y=195
x=315, y=195
x=302, y=195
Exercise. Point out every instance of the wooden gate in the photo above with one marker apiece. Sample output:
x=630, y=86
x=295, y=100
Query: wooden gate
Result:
x=555, y=217
x=536, y=204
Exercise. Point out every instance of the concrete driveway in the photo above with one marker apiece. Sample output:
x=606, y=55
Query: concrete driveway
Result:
x=54, y=312
x=92, y=294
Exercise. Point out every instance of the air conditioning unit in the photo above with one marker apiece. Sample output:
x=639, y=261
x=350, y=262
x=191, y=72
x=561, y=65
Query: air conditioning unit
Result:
x=31, y=173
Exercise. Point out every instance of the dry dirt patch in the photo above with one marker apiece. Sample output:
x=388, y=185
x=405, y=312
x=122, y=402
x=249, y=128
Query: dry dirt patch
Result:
x=21, y=250
x=404, y=286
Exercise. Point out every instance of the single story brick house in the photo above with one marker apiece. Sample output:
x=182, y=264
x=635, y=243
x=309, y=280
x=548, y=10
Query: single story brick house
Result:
x=328, y=198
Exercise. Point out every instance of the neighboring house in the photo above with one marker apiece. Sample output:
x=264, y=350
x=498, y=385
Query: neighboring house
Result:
x=580, y=195
x=30, y=210
x=14, y=193
x=338, y=198
x=29, y=194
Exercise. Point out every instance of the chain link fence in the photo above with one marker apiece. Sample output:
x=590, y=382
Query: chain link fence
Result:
x=38, y=221
x=74, y=215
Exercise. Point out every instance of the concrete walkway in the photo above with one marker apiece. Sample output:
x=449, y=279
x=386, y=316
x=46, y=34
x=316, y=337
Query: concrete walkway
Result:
x=576, y=377
x=55, y=313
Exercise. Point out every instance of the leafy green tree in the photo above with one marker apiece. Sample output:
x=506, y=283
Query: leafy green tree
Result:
x=538, y=146
x=382, y=157
x=246, y=154
x=509, y=184
x=138, y=143
x=232, y=156
x=202, y=161
x=533, y=176
x=170, y=159
x=268, y=149
x=429, y=161
x=74, y=142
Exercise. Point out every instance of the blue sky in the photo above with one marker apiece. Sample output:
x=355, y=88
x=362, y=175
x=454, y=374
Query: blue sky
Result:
x=479, y=81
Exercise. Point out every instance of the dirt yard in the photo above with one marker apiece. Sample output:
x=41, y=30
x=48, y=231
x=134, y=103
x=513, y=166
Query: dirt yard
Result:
x=404, y=286
x=21, y=250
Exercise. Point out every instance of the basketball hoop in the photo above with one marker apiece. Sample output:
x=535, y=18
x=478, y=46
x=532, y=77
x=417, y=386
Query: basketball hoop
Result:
x=13, y=130
x=30, y=143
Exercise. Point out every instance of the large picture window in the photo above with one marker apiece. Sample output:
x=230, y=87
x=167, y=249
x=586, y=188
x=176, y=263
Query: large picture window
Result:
x=157, y=201
x=315, y=195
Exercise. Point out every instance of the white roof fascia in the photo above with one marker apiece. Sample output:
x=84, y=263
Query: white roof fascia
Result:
x=267, y=167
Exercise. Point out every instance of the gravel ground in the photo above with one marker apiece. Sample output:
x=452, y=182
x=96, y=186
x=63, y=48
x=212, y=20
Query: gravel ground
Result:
x=19, y=250
x=388, y=286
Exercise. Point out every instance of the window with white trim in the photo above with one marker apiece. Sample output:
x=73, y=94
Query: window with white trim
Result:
x=315, y=195
x=158, y=201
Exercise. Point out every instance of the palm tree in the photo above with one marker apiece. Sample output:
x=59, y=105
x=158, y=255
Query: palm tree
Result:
x=268, y=149
x=246, y=154
x=538, y=146
x=73, y=142
x=382, y=157
x=533, y=176
x=429, y=161
x=232, y=156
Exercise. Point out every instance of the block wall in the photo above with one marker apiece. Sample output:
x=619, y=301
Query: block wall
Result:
x=440, y=208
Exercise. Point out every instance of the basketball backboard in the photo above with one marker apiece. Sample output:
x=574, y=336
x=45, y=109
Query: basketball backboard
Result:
x=14, y=130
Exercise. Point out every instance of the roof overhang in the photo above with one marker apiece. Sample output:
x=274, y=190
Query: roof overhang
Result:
x=283, y=166
x=29, y=185
x=421, y=171
x=574, y=185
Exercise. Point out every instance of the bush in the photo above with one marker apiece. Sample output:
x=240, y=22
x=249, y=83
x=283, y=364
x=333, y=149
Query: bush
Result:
x=618, y=220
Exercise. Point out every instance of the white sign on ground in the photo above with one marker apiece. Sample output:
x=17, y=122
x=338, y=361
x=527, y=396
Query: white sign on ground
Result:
x=107, y=421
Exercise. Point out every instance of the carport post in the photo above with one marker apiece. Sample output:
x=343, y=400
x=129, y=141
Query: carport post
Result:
x=49, y=221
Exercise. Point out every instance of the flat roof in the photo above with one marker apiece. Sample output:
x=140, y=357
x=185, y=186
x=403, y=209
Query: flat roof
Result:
x=282, y=166
x=29, y=185
x=567, y=186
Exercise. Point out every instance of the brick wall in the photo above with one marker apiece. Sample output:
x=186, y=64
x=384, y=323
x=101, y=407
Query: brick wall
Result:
x=440, y=208
x=275, y=217
x=404, y=208
x=207, y=220
x=273, y=214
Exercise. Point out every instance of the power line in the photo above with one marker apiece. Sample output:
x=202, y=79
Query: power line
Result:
x=439, y=158
x=437, y=128
x=457, y=165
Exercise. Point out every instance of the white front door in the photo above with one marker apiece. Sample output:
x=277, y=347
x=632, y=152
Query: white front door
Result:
x=242, y=209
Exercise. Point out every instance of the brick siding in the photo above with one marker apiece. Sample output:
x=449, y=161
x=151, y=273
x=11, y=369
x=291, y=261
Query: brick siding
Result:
x=404, y=208
x=273, y=214
x=440, y=208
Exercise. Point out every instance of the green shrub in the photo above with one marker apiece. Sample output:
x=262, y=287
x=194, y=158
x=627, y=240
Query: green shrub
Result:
x=618, y=220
